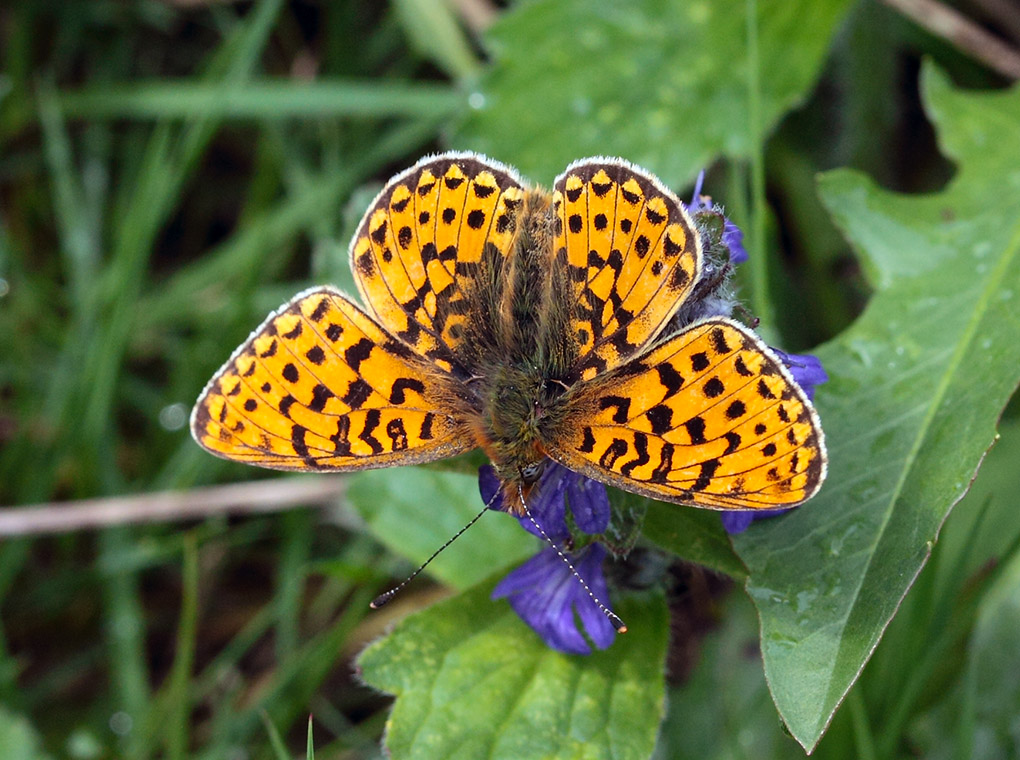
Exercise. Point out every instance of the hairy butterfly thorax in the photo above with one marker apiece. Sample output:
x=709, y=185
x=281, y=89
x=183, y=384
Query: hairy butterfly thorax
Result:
x=525, y=352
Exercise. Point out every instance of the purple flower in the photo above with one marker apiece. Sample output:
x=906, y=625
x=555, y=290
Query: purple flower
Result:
x=543, y=591
x=732, y=236
x=806, y=369
x=738, y=520
x=546, y=595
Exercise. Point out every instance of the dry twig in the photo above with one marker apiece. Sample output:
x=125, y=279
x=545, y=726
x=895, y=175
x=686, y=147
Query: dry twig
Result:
x=257, y=497
x=959, y=30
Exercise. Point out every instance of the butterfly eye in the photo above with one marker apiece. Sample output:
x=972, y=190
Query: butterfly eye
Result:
x=532, y=472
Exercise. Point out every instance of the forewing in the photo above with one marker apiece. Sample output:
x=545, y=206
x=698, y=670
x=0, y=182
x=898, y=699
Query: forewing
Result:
x=710, y=418
x=416, y=253
x=319, y=386
x=633, y=255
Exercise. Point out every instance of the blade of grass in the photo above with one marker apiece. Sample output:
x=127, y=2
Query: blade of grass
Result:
x=290, y=690
x=291, y=580
x=864, y=741
x=125, y=635
x=263, y=100
x=275, y=741
x=167, y=162
x=433, y=30
x=177, y=699
x=761, y=304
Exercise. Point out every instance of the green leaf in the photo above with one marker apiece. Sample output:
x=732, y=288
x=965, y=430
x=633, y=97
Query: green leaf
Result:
x=473, y=681
x=663, y=83
x=917, y=386
x=414, y=511
x=694, y=534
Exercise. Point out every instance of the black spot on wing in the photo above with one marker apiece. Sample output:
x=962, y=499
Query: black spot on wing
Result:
x=316, y=355
x=320, y=310
x=397, y=434
x=705, y=477
x=620, y=403
x=714, y=387
x=735, y=410
x=357, y=393
x=642, y=458
x=670, y=379
x=372, y=418
x=320, y=395
x=719, y=341
x=357, y=353
x=696, y=429
x=661, y=418
x=476, y=219
x=588, y=442
x=426, y=427
x=402, y=384
x=613, y=452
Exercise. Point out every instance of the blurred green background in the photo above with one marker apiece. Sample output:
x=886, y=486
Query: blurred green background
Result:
x=172, y=171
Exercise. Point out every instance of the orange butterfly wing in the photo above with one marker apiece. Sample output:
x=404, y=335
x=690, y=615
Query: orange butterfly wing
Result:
x=418, y=250
x=635, y=253
x=709, y=418
x=320, y=386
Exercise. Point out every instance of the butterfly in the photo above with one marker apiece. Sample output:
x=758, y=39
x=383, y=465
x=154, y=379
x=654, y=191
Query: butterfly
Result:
x=537, y=325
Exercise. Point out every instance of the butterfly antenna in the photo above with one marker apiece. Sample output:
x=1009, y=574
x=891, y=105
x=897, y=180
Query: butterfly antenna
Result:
x=615, y=619
x=382, y=599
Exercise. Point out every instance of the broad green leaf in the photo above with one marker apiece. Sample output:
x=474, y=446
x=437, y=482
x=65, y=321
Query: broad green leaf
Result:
x=473, y=681
x=694, y=534
x=662, y=83
x=414, y=511
x=917, y=386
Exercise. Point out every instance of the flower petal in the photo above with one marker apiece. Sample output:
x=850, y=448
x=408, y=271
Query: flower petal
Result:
x=546, y=503
x=589, y=503
x=737, y=521
x=733, y=239
x=490, y=487
x=546, y=595
x=598, y=627
x=806, y=369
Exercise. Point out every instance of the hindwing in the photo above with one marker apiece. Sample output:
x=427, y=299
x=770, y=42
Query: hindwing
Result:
x=320, y=386
x=710, y=418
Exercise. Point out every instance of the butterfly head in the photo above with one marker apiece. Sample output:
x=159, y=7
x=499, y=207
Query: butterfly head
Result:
x=519, y=479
